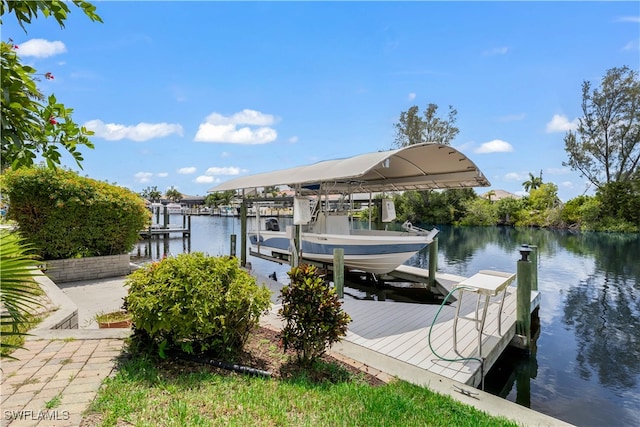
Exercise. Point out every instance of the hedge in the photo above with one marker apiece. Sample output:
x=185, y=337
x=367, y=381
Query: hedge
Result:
x=65, y=215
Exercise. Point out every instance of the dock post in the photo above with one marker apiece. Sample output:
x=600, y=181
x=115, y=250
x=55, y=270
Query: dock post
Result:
x=523, y=296
x=378, y=205
x=243, y=232
x=166, y=217
x=338, y=271
x=232, y=250
x=534, y=267
x=433, y=262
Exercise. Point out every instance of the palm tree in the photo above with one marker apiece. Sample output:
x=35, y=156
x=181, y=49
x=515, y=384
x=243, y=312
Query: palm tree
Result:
x=173, y=194
x=533, y=182
x=18, y=288
x=491, y=194
x=152, y=194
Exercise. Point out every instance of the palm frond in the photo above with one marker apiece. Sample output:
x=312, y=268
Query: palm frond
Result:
x=19, y=290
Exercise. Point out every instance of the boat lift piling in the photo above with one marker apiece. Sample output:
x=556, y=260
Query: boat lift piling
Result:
x=523, y=313
x=433, y=263
x=338, y=271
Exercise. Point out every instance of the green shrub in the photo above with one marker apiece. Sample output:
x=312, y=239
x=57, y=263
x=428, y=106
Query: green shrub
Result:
x=196, y=303
x=573, y=211
x=65, y=215
x=313, y=314
x=480, y=211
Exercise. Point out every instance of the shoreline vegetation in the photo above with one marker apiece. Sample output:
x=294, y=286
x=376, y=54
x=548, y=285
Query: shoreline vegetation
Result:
x=616, y=208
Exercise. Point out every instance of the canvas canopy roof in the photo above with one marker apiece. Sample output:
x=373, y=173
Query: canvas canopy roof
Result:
x=416, y=167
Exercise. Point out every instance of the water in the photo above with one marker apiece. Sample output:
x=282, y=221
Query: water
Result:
x=586, y=368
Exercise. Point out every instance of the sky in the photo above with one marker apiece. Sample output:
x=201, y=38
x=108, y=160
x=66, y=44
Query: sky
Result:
x=191, y=94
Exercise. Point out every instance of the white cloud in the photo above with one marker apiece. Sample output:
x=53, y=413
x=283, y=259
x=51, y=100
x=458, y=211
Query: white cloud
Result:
x=187, y=171
x=495, y=146
x=219, y=128
x=634, y=19
x=163, y=174
x=293, y=139
x=511, y=118
x=567, y=184
x=632, y=45
x=139, y=132
x=515, y=176
x=412, y=96
x=143, y=177
x=557, y=171
x=496, y=51
x=204, y=179
x=560, y=123
x=225, y=154
x=229, y=170
x=41, y=48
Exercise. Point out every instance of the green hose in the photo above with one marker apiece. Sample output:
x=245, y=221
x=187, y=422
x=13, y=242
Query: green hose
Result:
x=460, y=359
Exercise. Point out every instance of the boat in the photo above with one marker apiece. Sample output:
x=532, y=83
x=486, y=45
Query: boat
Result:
x=321, y=224
x=171, y=208
x=174, y=208
x=372, y=251
x=226, y=210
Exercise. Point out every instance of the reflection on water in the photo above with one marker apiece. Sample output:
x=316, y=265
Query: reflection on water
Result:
x=586, y=369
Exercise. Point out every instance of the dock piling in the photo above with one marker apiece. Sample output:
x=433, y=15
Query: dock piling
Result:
x=433, y=263
x=338, y=271
x=523, y=303
x=534, y=268
x=166, y=217
x=232, y=250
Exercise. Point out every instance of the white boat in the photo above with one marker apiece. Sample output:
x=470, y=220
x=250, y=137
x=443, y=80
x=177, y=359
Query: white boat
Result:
x=174, y=209
x=325, y=226
x=372, y=251
x=226, y=210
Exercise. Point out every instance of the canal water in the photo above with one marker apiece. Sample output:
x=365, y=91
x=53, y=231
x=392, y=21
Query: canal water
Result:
x=586, y=366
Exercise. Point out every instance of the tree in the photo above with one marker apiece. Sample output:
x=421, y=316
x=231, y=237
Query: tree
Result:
x=152, y=194
x=412, y=129
x=606, y=146
x=173, y=194
x=33, y=124
x=533, y=182
x=30, y=127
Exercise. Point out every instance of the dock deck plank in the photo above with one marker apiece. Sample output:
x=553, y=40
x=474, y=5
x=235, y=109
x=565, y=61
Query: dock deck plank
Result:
x=401, y=330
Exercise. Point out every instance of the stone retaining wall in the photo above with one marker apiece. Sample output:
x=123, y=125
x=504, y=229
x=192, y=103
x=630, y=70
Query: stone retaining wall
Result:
x=64, y=313
x=71, y=270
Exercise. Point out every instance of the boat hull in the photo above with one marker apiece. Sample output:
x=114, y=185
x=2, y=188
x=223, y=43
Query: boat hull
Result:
x=374, y=253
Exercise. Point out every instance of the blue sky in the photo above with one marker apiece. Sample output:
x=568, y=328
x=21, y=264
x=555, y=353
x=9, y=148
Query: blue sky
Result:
x=189, y=94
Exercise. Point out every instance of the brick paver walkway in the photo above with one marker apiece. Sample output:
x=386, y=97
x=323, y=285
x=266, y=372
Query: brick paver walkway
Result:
x=54, y=381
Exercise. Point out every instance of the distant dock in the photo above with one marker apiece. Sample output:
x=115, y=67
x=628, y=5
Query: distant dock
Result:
x=159, y=231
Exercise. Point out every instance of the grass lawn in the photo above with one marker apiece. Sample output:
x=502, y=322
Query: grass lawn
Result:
x=147, y=391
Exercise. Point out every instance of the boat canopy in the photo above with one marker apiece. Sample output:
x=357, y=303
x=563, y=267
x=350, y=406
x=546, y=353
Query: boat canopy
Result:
x=416, y=167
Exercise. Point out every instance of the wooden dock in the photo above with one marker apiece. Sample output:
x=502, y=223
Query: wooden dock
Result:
x=400, y=331
x=159, y=231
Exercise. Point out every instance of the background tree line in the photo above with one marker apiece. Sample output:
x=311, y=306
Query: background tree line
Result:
x=605, y=149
